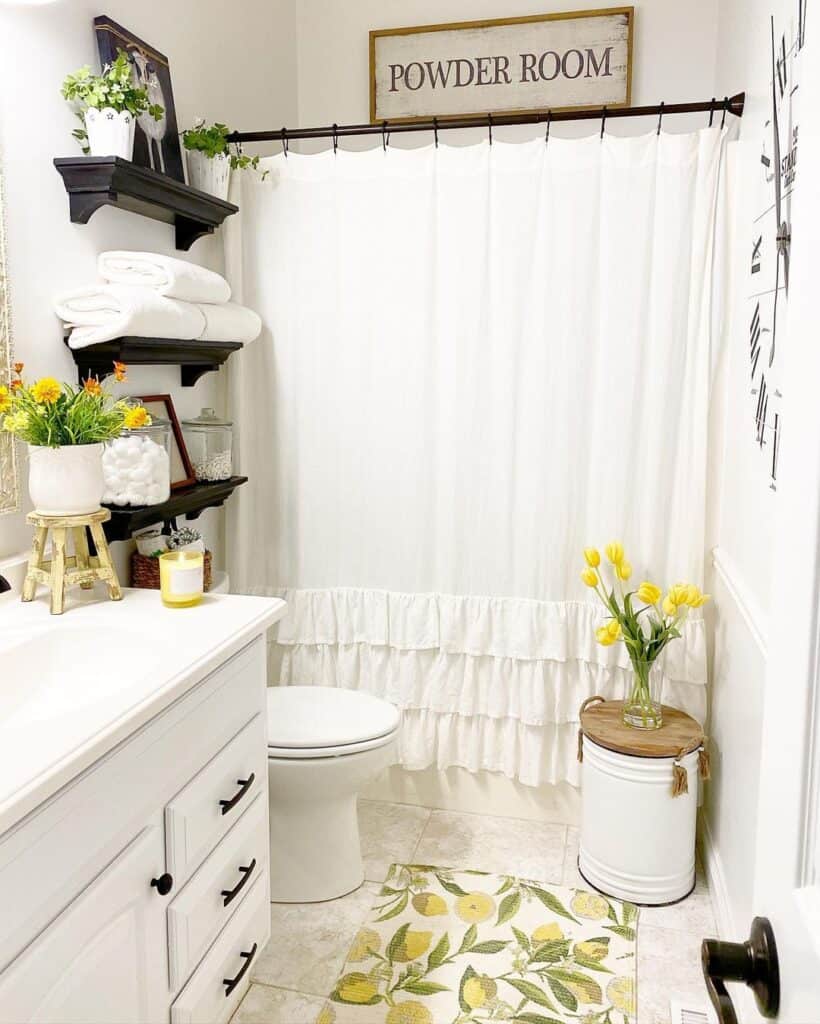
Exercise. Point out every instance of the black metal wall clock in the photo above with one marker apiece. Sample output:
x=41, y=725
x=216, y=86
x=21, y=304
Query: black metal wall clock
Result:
x=771, y=240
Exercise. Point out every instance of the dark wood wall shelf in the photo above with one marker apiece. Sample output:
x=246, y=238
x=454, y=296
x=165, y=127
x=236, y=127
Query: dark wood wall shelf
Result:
x=188, y=502
x=193, y=357
x=95, y=181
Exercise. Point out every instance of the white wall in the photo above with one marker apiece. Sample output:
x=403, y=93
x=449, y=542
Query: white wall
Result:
x=743, y=512
x=235, y=66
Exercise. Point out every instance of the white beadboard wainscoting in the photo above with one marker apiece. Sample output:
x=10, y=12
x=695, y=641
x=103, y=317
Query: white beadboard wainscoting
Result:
x=729, y=815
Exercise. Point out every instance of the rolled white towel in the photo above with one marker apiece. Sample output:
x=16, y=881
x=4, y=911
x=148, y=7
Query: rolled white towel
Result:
x=105, y=311
x=229, y=322
x=174, y=278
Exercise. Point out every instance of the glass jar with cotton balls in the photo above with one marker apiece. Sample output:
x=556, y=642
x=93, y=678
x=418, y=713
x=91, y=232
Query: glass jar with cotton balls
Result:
x=137, y=466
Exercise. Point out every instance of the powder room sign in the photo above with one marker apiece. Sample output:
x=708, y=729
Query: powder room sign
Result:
x=545, y=61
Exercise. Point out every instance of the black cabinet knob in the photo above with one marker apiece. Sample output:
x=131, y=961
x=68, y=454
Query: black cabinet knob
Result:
x=164, y=884
x=753, y=962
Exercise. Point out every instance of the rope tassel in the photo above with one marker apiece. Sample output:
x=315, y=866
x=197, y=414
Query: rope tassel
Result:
x=704, y=762
x=680, y=779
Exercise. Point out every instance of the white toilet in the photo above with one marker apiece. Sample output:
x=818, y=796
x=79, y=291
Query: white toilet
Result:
x=324, y=745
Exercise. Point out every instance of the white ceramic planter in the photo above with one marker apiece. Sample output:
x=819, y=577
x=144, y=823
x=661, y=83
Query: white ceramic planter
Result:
x=637, y=840
x=65, y=481
x=209, y=174
x=110, y=132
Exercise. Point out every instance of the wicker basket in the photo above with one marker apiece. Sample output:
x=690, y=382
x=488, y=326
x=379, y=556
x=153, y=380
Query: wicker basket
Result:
x=145, y=571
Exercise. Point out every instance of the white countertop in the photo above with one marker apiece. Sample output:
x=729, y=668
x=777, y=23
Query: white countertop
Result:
x=75, y=685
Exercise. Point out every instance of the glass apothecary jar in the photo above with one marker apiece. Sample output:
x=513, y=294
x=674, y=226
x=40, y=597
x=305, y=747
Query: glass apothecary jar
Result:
x=137, y=466
x=209, y=441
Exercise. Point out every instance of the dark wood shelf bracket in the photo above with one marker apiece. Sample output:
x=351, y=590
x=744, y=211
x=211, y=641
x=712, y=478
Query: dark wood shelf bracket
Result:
x=190, y=502
x=92, y=182
x=192, y=357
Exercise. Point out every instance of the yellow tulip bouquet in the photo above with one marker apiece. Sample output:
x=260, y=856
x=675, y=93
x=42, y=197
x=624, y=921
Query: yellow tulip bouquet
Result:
x=50, y=414
x=645, y=631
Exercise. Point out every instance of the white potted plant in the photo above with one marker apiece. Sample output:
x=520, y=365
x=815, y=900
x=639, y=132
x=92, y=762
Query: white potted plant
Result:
x=210, y=158
x=108, y=104
x=66, y=428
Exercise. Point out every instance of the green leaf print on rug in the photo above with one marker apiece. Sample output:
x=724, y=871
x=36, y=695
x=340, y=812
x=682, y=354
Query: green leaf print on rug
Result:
x=448, y=946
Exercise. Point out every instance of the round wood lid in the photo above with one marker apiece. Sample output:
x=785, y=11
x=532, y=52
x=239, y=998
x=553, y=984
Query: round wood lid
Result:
x=603, y=724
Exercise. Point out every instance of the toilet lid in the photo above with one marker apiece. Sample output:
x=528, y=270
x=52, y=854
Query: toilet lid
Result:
x=326, y=716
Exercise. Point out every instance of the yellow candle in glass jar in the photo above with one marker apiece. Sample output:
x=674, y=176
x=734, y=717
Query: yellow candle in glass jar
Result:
x=181, y=578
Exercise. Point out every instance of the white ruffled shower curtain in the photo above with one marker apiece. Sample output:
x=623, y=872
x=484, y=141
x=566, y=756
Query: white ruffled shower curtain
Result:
x=477, y=360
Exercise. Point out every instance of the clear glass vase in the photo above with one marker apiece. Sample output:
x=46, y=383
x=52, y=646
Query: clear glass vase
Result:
x=642, y=708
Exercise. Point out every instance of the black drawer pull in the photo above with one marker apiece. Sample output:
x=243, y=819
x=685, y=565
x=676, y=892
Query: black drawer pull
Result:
x=231, y=983
x=164, y=884
x=231, y=894
x=244, y=786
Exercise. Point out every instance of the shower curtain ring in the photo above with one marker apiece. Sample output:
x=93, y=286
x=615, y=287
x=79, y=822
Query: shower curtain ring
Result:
x=435, y=130
x=285, y=141
x=711, y=111
x=547, y=133
x=335, y=137
x=725, y=108
x=385, y=136
x=660, y=118
x=490, y=128
x=603, y=121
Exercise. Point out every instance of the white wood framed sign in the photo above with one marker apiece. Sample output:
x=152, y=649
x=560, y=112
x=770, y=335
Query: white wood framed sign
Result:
x=574, y=59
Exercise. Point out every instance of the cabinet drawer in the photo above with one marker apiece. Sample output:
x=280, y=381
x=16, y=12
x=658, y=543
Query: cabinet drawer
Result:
x=213, y=801
x=217, y=890
x=206, y=998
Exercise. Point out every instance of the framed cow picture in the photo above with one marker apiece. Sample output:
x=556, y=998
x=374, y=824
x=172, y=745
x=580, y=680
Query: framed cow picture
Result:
x=156, y=143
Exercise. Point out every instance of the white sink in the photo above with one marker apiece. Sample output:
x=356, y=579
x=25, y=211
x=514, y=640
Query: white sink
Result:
x=63, y=670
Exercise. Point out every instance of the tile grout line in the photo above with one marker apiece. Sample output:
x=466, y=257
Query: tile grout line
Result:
x=421, y=835
x=472, y=814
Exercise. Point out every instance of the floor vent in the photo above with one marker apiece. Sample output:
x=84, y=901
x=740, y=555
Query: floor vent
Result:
x=687, y=1013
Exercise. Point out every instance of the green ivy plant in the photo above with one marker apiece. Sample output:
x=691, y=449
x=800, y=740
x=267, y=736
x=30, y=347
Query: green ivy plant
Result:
x=212, y=140
x=114, y=88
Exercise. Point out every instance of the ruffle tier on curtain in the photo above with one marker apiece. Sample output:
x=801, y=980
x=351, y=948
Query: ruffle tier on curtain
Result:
x=484, y=683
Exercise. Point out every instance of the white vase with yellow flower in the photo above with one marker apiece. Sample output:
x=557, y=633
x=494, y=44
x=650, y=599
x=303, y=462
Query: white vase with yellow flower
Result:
x=66, y=429
x=645, y=630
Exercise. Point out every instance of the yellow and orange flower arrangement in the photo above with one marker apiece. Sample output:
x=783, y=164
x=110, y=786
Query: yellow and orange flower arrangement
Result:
x=645, y=630
x=48, y=413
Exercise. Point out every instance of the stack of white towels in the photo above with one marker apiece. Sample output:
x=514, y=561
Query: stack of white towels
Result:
x=147, y=295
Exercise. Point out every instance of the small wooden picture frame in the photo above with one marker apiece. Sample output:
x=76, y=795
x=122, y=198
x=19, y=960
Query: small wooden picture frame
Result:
x=182, y=471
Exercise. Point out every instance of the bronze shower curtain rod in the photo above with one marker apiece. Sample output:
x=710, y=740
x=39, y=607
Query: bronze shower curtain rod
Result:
x=728, y=105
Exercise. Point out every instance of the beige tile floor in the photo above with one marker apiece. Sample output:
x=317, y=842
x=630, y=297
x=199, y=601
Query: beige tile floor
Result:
x=309, y=942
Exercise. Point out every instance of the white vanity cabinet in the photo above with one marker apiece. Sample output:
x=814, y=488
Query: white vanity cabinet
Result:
x=139, y=892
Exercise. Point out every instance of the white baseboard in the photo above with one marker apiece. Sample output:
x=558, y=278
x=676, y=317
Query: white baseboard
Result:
x=456, y=789
x=715, y=876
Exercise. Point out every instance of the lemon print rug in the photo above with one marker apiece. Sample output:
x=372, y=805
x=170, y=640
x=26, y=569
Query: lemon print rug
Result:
x=446, y=946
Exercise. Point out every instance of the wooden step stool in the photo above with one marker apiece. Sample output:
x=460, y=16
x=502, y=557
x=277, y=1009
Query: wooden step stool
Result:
x=69, y=570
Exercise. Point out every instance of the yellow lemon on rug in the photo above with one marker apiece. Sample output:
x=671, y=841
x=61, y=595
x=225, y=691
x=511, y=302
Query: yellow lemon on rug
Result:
x=547, y=933
x=592, y=950
x=475, y=907
x=429, y=904
x=582, y=994
x=364, y=945
x=621, y=993
x=589, y=905
x=410, y=1012
x=414, y=945
x=326, y=1015
x=478, y=990
x=355, y=988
